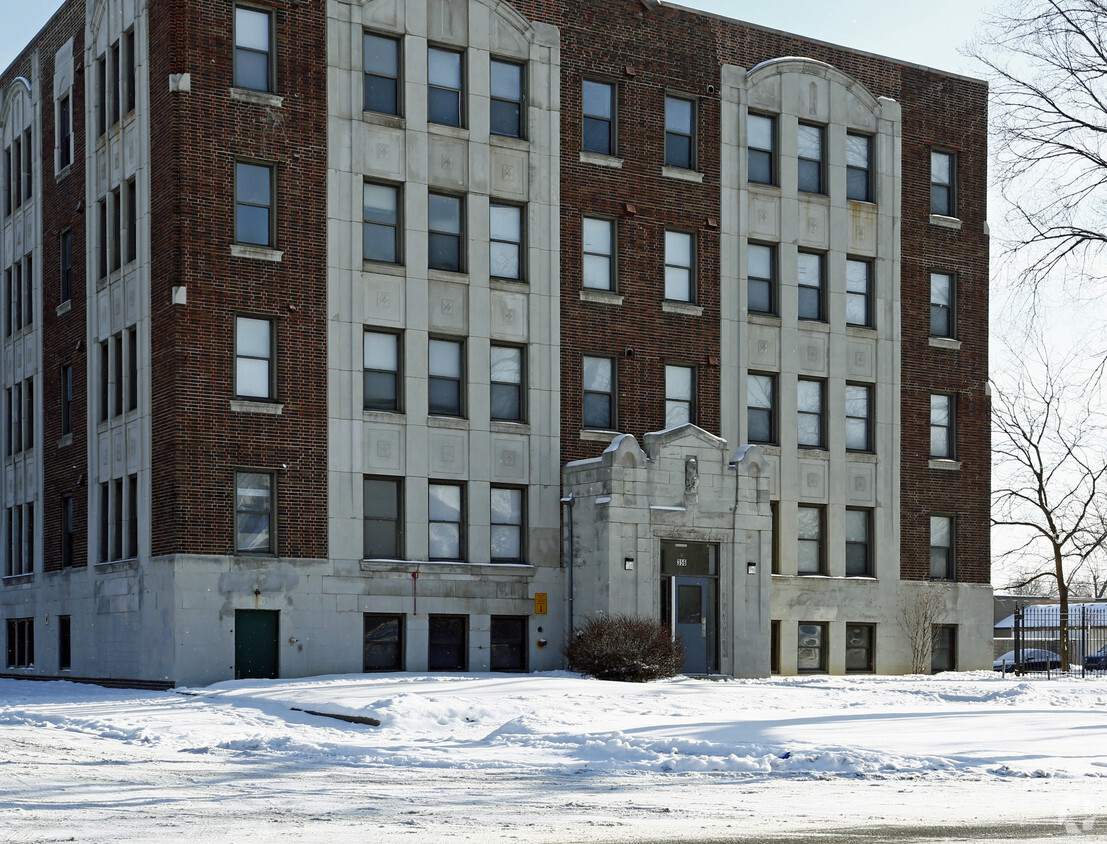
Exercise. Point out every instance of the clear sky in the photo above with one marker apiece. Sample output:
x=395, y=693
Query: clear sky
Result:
x=925, y=33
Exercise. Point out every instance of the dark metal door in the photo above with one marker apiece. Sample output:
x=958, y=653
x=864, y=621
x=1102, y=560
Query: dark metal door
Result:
x=255, y=644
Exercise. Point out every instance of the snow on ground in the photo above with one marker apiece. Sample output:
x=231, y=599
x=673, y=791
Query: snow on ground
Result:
x=554, y=757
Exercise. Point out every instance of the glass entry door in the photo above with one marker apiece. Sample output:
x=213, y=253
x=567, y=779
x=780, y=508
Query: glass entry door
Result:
x=689, y=601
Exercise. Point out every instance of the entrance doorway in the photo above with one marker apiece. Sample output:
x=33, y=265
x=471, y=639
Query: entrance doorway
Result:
x=255, y=644
x=690, y=601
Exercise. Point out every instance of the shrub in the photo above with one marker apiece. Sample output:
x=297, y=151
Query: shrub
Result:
x=625, y=647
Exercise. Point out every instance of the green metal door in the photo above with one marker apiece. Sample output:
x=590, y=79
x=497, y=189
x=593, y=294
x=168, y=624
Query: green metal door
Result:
x=255, y=644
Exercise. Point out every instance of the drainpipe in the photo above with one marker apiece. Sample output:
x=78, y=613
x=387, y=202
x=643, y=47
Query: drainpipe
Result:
x=568, y=501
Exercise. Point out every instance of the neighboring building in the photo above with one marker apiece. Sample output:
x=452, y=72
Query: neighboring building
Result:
x=323, y=321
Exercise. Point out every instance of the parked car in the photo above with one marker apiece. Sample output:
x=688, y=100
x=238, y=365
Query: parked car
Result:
x=1033, y=659
x=1096, y=661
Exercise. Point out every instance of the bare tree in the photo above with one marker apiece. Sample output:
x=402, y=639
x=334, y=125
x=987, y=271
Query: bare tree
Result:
x=1049, y=473
x=1047, y=62
x=921, y=611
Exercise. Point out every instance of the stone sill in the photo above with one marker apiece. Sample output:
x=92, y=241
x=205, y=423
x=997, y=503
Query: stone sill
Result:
x=260, y=407
x=17, y=579
x=945, y=222
x=944, y=464
x=598, y=436
x=499, y=571
x=762, y=318
x=260, y=253
x=447, y=275
x=248, y=95
x=457, y=423
x=682, y=173
x=383, y=268
x=392, y=121
x=601, y=160
x=683, y=308
x=945, y=343
x=129, y=564
x=601, y=297
x=502, y=426
x=66, y=440
x=509, y=142
x=64, y=308
x=459, y=132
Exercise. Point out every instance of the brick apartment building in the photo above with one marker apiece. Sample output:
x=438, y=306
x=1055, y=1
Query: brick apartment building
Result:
x=402, y=334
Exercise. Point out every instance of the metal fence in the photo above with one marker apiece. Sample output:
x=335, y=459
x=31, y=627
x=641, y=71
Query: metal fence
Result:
x=1038, y=634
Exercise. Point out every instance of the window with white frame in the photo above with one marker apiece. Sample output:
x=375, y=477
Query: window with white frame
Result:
x=942, y=426
x=382, y=372
x=599, y=254
x=446, y=521
x=760, y=408
x=508, y=516
x=680, y=277
x=255, y=378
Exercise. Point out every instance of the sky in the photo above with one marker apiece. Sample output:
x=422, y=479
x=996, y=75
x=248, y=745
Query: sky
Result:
x=925, y=33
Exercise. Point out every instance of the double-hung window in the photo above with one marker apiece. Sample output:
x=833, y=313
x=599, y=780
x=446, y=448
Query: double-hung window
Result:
x=680, y=394
x=941, y=548
x=446, y=518
x=811, y=647
x=254, y=354
x=255, y=512
x=445, y=378
x=506, y=89
x=508, y=516
x=859, y=180
x=942, y=407
x=381, y=382
x=943, y=184
x=761, y=278
x=253, y=49
x=506, y=368
x=381, y=226
x=598, y=117
x=859, y=292
x=444, y=87
x=810, y=145
x=811, y=550
x=254, y=204
x=383, y=518
x=67, y=399
x=810, y=410
x=859, y=648
x=445, y=219
x=858, y=542
x=598, y=254
x=760, y=408
x=942, y=312
x=680, y=133
x=859, y=417
x=65, y=132
x=761, y=132
x=381, y=62
x=505, y=242
x=680, y=279
x=598, y=380
x=944, y=651
x=811, y=275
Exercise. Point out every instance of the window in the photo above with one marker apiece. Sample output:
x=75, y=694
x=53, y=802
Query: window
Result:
x=508, y=524
x=65, y=132
x=383, y=643
x=446, y=523
x=21, y=643
x=599, y=117
x=381, y=58
x=67, y=399
x=941, y=548
x=942, y=313
x=858, y=543
x=942, y=184
x=117, y=520
x=859, y=292
x=447, y=645
x=943, y=655
x=253, y=48
x=130, y=89
x=508, y=641
x=506, y=87
x=113, y=83
x=774, y=516
x=809, y=266
x=66, y=263
x=255, y=511
x=859, y=417
x=599, y=254
x=680, y=133
x=28, y=291
x=444, y=388
x=761, y=273
x=132, y=368
x=598, y=380
x=254, y=347
x=505, y=247
x=762, y=137
x=115, y=229
x=859, y=150
x=859, y=648
x=774, y=647
x=942, y=426
x=383, y=518
x=30, y=416
x=445, y=223
x=117, y=357
x=65, y=643
x=811, y=648
x=381, y=382
x=68, y=529
x=506, y=368
x=131, y=231
x=760, y=408
x=444, y=87
x=680, y=394
x=809, y=407
x=102, y=237
x=809, y=146
x=810, y=554
x=132, y=515
x=381, y=229
x=7, y=186
x=101, y=95
x=15, y=178
x=105, y=523
x=679, y=276
x=254, y=203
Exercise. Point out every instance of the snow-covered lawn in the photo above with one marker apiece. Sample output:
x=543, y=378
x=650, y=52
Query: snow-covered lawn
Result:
x=550, y=757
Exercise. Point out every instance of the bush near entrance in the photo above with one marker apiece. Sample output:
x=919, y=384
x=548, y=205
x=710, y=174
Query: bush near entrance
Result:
x=625, y=647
